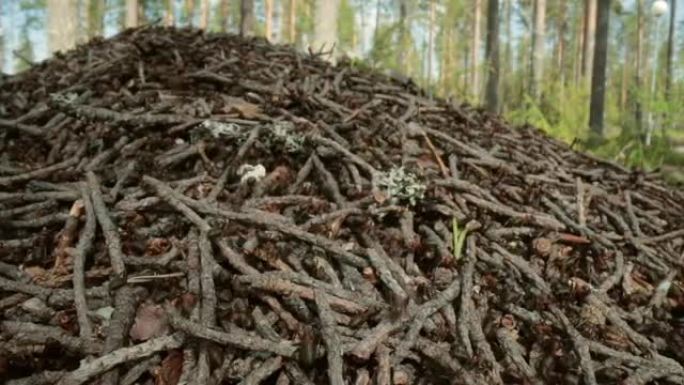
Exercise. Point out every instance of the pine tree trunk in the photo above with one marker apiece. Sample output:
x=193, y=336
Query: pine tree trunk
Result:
x=578, y=64
x=492, y=53
x=588, y=36
x=560, y=47
x=62, y=26
x=598, y=78
x=506, y=69
x=325, y=26
x=190, y=11
x=132, y=13
x=204, y=14
x=475, y=51
x=431, y=42
x=224, y=13
x=169, y=13
x=246, y=17
x=670, y=48
x=537, y=60
x=268, y=15
x=292, y=22
x=96, y=12
x=403, y=28
x=638, y=113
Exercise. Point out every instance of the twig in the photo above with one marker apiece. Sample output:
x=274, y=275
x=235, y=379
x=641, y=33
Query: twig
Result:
x=83, y=249
x=93, y=368
x=235, y=337
x=333, y=346
x=580, y=345
x=265, y=370
x=109, y=229
x=171, y=197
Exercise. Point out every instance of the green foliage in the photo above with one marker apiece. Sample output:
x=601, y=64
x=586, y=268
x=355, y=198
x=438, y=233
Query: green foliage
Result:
x=383, y=53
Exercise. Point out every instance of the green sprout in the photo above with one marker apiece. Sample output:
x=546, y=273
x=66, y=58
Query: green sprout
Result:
x=458, y=238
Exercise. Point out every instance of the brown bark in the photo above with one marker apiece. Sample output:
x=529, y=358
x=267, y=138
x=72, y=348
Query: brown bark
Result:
x=246, y=17
x=268, y=15
x=538, y=36
x=492, y=53
x=598, y=78
x=588, y=37
x=670, y=48
x=475, y=50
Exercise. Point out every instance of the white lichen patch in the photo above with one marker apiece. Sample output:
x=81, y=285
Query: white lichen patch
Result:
x=284, y=134
x=401, y=186
x=219, y=129
x=248, y=172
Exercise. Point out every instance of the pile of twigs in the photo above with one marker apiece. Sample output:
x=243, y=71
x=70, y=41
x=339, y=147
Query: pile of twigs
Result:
x=181, y=207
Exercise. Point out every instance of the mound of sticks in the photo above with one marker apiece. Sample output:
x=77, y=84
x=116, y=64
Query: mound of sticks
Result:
x=181, y=207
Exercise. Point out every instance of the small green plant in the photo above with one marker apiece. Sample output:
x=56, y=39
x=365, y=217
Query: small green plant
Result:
x=458, y=238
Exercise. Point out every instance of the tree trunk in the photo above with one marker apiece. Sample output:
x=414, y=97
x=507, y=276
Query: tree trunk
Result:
x=431, y=42
x=403, y=29
x=507, y=69
x=132, y=13
x=670, y=49
x=598, y=78
x=638, y=113
x=61, y=21
x=325, y=26
x=579, y=48
x=560, y=47
x=96, y=11
x=537, y=60
x=190, y=12
x=204, y=14
x=588, y=36
x=475, y=51
x=492, y=53
x=169, y=13
x=268, y=15
x=246, y=17
x=292, y=22
x=224, y=13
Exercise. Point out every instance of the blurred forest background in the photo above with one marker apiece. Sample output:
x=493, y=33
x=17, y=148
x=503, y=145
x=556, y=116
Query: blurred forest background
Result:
x=530, y=60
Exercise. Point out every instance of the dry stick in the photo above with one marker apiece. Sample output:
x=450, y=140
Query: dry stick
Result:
x=208, y=304
x=329, y=182
x=39, y=173
x=171, y=197
x=333, y=345
x=581, y=216
x=91, y=369
x=138, y=369
x=297, y=374
x=25, y=128
x=632, y=216
x=444, y=358
x=83, y=249
x=237, y=261
x=31, y=333
x=381, y=268
x=40, y=206
x=516, y=354
x=558, y=212
x=111, y=233
x=417, y=315
x=263, y=325
x=125, y=303
x=48, y=220
x=68, y=196
x=525, y=268
x=616, y=277
x=106, y=155
x=302, y=174
x=541, y=220
x=47, y=377
x=264, y=371
x=235, y=337
x=286, y=287
x=265, y=221
x=467, y=306
x=643, y=376
x=233, y=164
x=384, y=370
x=350, y=155
x=123, y=118
x=614, y=317
x=580, y=345
x=442, y=167
x=123, y=177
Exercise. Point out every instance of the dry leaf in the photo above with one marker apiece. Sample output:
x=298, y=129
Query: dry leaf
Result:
x=150, y=321
x=170, y=370
x=157, y=246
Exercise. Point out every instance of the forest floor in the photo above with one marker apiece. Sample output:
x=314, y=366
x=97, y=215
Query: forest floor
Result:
x=177, y=206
